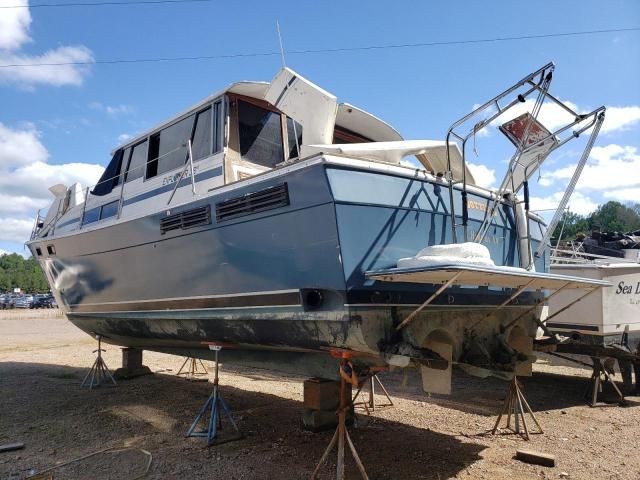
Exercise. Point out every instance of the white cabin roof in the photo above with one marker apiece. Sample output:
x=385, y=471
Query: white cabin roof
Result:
x=348, y=116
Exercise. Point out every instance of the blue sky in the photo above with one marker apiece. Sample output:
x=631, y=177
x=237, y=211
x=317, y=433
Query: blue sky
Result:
x=60, y=123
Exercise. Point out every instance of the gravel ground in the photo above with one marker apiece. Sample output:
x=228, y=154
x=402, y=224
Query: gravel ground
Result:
x=43, y=360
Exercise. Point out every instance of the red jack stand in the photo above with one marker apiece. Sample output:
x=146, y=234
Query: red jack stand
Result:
x=341, y=435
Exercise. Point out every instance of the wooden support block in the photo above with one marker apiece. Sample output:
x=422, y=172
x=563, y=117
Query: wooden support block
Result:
x=537, y=458
x=323, y=394
x=9, y=447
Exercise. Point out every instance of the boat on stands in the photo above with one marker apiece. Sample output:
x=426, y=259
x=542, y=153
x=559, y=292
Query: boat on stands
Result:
x=273, y=219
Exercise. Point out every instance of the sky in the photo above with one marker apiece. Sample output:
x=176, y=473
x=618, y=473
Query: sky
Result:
x=58, y=124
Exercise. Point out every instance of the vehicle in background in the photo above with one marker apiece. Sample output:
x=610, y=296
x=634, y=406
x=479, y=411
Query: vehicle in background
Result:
x=43, y=300
x=24, y=301
x=5, y=302
x=8, y=301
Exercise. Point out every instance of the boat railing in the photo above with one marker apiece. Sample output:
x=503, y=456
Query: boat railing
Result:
x=538, y=83
x=37, y=227
x=38, y=224
x=575, y=254
x=123, y=175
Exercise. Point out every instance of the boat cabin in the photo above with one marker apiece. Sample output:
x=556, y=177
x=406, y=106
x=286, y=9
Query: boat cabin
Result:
x=228, y=137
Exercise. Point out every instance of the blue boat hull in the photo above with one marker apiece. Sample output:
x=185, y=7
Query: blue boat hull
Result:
x=285, y=279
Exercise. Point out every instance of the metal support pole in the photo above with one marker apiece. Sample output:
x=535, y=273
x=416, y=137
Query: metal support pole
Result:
x=446, y=285
x=572, y=303
x=184, y=169
x=572, y=184
x=84, y=208
x=193, y=178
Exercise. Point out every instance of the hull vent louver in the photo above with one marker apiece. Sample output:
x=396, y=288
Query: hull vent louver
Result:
x=185, y=220
x=267, y=199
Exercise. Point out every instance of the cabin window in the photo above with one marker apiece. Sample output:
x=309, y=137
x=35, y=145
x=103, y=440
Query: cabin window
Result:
x=260, y=135
x=38, y=251
x=109, y=209
x=201, y=145
x=51, y=249
x=91, y=216
x=168, y=147
x=137, y=161
x=293, y=128
x=110, y=177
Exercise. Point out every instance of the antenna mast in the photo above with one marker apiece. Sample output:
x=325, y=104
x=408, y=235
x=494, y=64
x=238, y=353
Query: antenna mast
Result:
x=284, y=65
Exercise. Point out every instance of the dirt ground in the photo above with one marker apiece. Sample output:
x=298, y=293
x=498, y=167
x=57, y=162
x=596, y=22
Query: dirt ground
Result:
x=43, y=361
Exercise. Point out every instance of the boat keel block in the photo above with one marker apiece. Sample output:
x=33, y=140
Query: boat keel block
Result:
x=132, y=366
x=214, y=405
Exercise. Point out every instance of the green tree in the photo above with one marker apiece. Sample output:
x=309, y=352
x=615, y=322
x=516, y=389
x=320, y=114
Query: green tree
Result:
x=18, y=272
x=609, y=217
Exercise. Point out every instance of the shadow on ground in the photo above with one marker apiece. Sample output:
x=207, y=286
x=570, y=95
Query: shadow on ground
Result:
x=485, y=396
x=44, y=407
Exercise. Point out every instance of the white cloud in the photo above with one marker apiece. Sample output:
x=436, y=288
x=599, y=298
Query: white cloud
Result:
x=579, y=203
x=620, y=118
x=116, y=110
x=50, y=69
x=54, y=67
x=20, y=203
x=123, y=138
x=25, y=177
x=610, y=167
x=484, y=176
x=34, y=180
x=20, y=146
x=624, y=194
x=112, y=110
x=14, y=25
x=15, y=229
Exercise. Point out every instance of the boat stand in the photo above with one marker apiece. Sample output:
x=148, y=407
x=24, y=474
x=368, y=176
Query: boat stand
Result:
x=516, y=404
x=214, y=404
x=195, y=369
x=370, y=404
x=600, y=376
x=341, y=434
x=99, y=372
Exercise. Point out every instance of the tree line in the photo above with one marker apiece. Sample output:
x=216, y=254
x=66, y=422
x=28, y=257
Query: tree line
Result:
x=609, y=217
x=19, y=272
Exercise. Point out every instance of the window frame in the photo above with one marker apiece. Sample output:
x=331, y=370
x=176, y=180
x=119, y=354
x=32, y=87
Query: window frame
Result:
x=113, y=203
x=234, y=97
x=133, y=146
x=216, y=107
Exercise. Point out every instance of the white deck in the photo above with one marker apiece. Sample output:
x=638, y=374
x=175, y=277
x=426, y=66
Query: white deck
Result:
x=500, y=277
